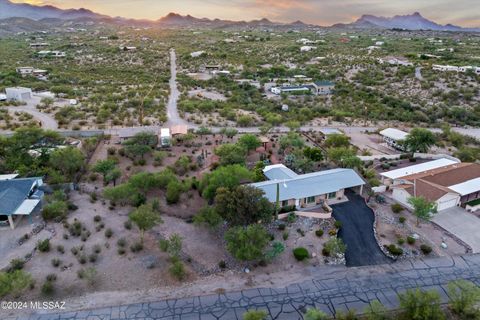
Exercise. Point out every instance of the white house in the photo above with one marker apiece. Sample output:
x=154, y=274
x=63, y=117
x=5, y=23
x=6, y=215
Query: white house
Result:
x=443, y=181
x=307, y=190
x=48, y=53
x=196, y=54
x=307, y=48
x=18, y=93
x=18, y=198
x=30, y=71
x=394, y=137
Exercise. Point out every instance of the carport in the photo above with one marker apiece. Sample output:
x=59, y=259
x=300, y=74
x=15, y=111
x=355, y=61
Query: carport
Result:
x=357, y=232
x=461, y=224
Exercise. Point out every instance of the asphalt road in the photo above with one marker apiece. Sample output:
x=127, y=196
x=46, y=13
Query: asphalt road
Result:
x=329, y=288
x=357, y=232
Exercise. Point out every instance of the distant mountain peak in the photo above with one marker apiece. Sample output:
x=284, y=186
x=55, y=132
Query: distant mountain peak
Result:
x=413, y=21
x=9, y=9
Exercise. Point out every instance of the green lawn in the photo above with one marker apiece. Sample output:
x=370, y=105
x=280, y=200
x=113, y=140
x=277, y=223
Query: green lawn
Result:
x=474, y=203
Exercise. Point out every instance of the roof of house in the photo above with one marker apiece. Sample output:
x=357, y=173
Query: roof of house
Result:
x=8, y=176
x=179, y=129
x=466, y=187
x=418, y=168
x=310, y=184
x=459, y=178
x=14, y=192
x=394, y=134
x=278, y=172
x=328, y=131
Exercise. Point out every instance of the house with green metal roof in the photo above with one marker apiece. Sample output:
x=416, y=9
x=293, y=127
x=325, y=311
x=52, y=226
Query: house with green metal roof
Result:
x=19, y=197
x=307, y=190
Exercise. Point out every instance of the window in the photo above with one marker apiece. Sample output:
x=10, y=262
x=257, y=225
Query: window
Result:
x=284, y=203
x=310, y=200
x=332, y=195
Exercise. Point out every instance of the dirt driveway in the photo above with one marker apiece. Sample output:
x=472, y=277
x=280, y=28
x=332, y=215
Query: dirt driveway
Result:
x=462, y=224
x=357, y=232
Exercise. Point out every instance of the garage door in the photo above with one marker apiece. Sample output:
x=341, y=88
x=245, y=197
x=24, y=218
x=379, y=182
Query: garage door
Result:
x=442, y=205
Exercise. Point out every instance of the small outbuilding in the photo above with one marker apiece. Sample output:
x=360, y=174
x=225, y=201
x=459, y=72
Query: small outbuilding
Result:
x=18, y=93
x=165, y=137
x=394, y=137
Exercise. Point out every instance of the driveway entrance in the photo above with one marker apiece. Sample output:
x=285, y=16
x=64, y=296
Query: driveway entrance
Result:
x=461, y=224
x=357, y=232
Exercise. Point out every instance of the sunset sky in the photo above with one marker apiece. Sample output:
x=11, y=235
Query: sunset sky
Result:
x=322, y=12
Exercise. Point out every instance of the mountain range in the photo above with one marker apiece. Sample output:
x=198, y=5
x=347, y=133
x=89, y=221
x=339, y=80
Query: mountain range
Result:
x=23, y=13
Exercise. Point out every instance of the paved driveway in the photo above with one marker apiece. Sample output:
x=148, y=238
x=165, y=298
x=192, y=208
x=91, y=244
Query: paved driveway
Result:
x=462, y=224
x=357, y=232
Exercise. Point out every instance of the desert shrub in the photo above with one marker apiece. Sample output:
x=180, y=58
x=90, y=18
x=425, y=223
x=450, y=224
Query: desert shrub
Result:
x=128, y=225
x=122, y=242
x=56, y=262
x=300, y=253
x=247, y=243
x=48, y=289
x=74, y=251
x=315, y=314
x=421, y=305
x=402, y=219
x=332, y=232
x=121, y=251
x=325, y=252
x=334, y=247
x=464, y=299
x=400, y=241
x=89, y=274
x=97, y=249
x=208, y=217
x=136, y=247
x=346, y=315
x=174, y=190
x=55, y=210
x=285, y=235
x=222, y=264
x=51, y=277
x=376, y=311
x=108, y=233
x=92, y=257
x=394, y=250
x=255, y=315
x=281, y=226
x=14, y=283
x=16, y=264
x=177, y=269
x=396, y=208
x=97, y=218
x=301, y=232
x=163, y=244
x=426, y=249
x=411, y=240
x=319, y=233
x=82, y=259
x=338, y=224
x=60, y=249
x=43, y=245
